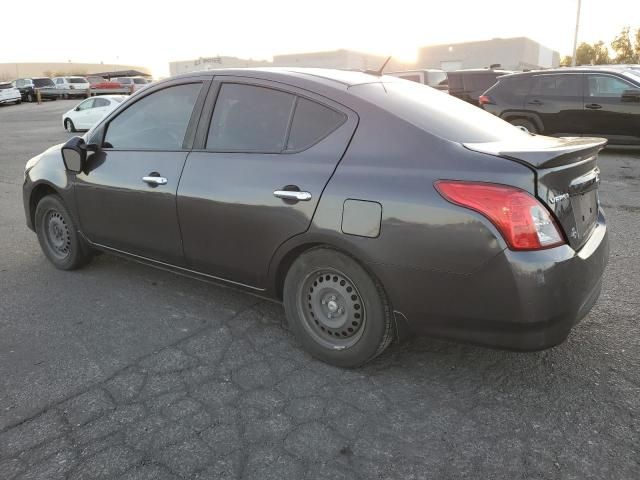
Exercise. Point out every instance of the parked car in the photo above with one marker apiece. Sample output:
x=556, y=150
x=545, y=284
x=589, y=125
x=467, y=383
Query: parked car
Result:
x=373, y=207
x=134, y=83
x=90, y=111
x=29, y=86
x=72, y=84
x=431, y=77
x=468, y=85
x=99, y=83
x=9, y=93
x=571, y=101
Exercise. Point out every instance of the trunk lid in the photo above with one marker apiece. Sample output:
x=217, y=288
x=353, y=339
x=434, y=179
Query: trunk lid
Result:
x=567, y=177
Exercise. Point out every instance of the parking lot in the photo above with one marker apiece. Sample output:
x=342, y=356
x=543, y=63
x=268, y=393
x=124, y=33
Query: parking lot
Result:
x=118, y=370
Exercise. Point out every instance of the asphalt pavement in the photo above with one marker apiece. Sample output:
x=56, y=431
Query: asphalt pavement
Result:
x=119, y=370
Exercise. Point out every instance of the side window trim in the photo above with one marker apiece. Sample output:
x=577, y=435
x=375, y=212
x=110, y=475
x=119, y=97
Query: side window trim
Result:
x=187, y=143
x=212, y=98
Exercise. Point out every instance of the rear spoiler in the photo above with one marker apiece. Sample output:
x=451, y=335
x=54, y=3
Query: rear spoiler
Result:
x=543, y=152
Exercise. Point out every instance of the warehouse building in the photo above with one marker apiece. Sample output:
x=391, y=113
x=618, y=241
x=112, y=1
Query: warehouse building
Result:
x=213, y=63
x=342, y=59
x=518, y=53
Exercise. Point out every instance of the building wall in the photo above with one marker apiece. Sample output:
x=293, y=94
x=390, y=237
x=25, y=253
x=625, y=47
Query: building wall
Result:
x=511, y=53
x=10, y=71
x=213, y=63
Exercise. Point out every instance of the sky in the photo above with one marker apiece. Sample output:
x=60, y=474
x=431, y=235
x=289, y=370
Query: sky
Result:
x=152, y=33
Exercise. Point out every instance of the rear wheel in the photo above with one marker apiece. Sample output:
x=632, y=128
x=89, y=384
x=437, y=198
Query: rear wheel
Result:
x=523, y=122
x=69, y=126
x=58, y=235
x=338, y=311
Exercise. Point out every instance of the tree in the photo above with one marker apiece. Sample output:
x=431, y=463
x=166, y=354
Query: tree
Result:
x=624, y=48
x=584, y=54
x=637, y=46
x=566, y=61
x=600, y=54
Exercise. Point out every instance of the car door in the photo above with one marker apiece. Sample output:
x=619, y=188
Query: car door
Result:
x=257, y=176
x=99, y=109
x=609, y=113
x=81, y=114
x=126, y=198
x=557, y=99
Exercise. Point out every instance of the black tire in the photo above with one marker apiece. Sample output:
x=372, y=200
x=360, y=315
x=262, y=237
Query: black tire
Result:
x=338, y=311
x=58, y=235
x=69, y=126
x=523, y=122
x=18, y=102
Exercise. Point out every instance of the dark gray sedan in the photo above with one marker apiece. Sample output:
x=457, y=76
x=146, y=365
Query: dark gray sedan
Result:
x=373, y=207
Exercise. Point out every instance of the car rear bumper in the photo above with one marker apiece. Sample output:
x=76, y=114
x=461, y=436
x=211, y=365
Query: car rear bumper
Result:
x=517, y=300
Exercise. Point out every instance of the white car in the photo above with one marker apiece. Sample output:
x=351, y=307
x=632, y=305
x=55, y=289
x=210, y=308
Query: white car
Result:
x=72, y=83
x=135, y=83
x=90, y=111
x=9, y=93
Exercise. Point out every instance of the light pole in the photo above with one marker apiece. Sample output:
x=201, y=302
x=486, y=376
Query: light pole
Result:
x=575, y=36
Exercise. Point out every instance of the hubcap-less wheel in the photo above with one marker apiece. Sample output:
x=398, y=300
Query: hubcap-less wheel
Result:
x=332, y=309
x=57, y=234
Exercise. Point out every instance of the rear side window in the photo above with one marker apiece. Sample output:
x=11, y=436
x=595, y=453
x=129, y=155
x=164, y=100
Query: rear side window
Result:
x=158, y=121
x=479, y=81
x=311, y=123
x=512, y=87
x=101, y=102
x=249, y=118
x=557, y=85
x=43, y=82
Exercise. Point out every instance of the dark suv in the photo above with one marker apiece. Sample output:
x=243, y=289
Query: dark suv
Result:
x=468, y=85
x=29, y=86
x=602, y=102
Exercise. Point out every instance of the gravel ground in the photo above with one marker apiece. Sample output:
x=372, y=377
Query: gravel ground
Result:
x=122, y=371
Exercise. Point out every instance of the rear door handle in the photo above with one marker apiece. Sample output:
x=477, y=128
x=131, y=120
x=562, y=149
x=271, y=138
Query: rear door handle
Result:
x=292, y=195
x=535, y=102
x=593, y=106
x=154, y=181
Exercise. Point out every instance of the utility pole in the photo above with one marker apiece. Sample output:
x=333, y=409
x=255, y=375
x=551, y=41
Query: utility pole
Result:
x=575, y=36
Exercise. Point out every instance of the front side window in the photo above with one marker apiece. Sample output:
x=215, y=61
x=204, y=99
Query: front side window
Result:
x=557, y=85
x=607, y=86
x=157, y=121
x=249, y=118
x=86, y=105
x=311, y=123
x=43, y=82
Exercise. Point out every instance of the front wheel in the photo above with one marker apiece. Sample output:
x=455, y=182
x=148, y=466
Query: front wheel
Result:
x=58, y=235
x=337, y=310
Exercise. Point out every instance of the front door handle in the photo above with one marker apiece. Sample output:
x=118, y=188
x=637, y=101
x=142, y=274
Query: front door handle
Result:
x=593, y=106
x=155, y=180
x=292, y=195
x=535, y=102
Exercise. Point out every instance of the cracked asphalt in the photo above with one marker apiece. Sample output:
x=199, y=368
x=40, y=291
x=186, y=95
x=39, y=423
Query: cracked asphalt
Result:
x=122, y=371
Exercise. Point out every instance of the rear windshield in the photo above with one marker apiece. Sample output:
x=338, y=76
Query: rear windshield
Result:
x=77, y=80
x=437, y=113
x=139, y=80
x=43, y=82
x=4, y=86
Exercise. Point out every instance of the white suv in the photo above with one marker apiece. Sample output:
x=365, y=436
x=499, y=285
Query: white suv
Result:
x=72, y=83
x=9, y=94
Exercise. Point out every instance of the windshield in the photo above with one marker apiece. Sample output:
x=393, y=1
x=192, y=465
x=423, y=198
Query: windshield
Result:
x=77, y=80
x=43, y=82
x=139, y=80
x=437, y=112
x=4, y=86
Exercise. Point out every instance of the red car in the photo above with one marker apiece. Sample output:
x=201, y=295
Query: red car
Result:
x=99, y=83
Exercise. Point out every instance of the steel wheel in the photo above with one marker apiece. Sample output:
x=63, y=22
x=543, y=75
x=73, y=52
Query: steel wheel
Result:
x=57, y=234
x=332, y=309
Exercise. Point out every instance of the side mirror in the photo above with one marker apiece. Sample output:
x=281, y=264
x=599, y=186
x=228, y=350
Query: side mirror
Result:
x=632, y=95
x=74, y=154
x=77, y=109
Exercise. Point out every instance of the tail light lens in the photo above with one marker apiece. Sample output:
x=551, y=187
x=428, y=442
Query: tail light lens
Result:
x=484, y=100
x=522, y=220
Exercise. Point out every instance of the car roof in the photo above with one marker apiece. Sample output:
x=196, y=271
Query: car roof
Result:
x=326, y=76
x=481, y=70
x=582, y=69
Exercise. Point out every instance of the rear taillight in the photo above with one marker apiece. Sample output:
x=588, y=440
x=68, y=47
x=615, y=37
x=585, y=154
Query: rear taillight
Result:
x=484, y=100
x=522, y=220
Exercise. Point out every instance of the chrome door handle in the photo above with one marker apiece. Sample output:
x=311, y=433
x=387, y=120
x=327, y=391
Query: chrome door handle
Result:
x=292, y=195
x=155, y=180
